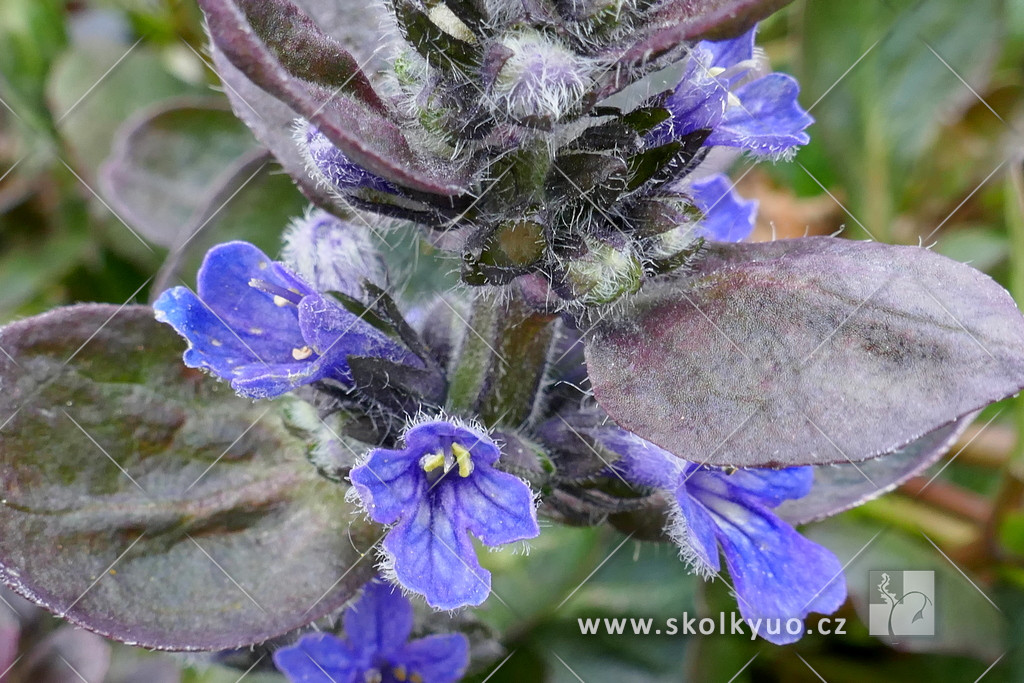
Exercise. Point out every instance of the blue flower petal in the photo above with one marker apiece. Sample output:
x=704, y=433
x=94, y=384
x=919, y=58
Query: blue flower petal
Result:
x=439, y=658
x=694, y=530
x=727, y=53
x=223, y=285
x=777, y=573
x=432, y=554
x=769, y=120
x=335, y=333
x=441, y=434
x=319, y=658
x=212, y=345
x=641, y=461
x=389, y=482
x=496, y=507
x=698, y=102
x=771, y=487
x=727, y=216
x=337, y=170
x=379, y=622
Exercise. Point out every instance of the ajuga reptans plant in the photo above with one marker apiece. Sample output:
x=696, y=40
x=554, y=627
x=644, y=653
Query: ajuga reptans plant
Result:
x=616, y=353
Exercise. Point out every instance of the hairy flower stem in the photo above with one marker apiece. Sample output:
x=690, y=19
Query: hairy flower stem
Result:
x=502, y=362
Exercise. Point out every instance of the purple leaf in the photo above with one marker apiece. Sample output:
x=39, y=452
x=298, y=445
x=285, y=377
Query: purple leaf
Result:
x=361, y=29
x=841, y=487
x=356, y=124
x=165, y=493
x=806, y=352
x=272, y=122
x=165, y=163
x=678, y=21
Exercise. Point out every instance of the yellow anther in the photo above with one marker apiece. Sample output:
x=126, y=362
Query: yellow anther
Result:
x=399, y=673
x=302, y=354
x=716, y=71
x=415, y=678
x=463, y=459
x=734, y=101
x=432, y=462
x=280, y=300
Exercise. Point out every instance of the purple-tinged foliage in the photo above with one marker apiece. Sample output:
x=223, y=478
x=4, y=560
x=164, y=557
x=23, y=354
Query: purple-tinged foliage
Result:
x=743, y=360
x=438, y=489
x=256, y=324
x=777, y=574
x=376, y=647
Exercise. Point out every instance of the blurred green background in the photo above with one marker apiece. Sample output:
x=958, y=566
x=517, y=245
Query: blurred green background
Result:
x=919, y=139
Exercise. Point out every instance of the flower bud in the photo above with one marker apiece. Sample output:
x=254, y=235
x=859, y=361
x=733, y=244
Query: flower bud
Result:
x=541, y=79
x=603, y=274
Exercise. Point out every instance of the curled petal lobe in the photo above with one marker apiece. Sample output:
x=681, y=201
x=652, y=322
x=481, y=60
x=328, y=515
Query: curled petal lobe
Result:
x=729, y=53
x=769, y=120
x=727, y=216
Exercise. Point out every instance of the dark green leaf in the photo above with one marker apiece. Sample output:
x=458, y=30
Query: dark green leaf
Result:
x=148, y=503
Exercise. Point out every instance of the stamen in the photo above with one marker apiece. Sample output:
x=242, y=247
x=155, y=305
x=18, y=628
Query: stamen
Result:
x=281, y=295
x=373, y=676
x=302, y=353
x=415, y=678
x=399, y=673
x=463, y=459
x=429, y=463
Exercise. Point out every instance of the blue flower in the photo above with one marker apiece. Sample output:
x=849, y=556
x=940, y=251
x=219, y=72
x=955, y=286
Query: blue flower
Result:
x=437, y=490
x=329, y=165
x=720, y=91
x=256, y=324
x=727, y=216
x=375, y=647
x=778, y=574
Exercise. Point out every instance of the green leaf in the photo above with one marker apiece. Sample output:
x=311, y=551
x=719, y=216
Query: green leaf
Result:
x=146, y=502
x=166, y=165
x=31, y=36
x=965, y=621
x=880, y=118
x=94, y=86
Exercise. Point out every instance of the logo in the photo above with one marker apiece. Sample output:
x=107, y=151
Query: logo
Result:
x=901, y=603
